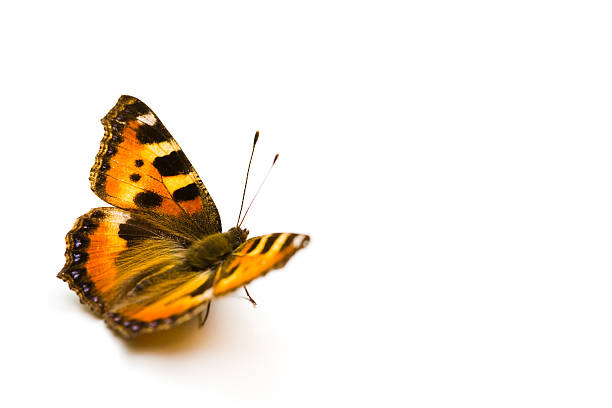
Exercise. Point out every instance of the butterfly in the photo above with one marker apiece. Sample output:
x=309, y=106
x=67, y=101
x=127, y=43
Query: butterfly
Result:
x=158, y=257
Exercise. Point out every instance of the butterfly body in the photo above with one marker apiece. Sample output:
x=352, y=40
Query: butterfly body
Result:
x=158, y=257
x=213, y=248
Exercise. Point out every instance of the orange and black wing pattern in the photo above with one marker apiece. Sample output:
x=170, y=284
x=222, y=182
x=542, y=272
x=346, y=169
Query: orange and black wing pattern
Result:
x=130, y=269
x=131, y=263
x=141, y=167
x=158, y=303
x=256, y=257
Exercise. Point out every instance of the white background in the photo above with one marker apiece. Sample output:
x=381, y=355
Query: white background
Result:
x=451, y=161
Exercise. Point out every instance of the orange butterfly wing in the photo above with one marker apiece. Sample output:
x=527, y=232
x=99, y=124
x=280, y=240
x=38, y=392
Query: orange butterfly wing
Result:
x=93, y=244
x=256, y=257
x=130, y=268
x=181, y=296
x=141, y=167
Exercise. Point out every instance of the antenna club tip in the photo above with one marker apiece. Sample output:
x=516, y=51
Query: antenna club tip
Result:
x=256, y=137
x=275, y=158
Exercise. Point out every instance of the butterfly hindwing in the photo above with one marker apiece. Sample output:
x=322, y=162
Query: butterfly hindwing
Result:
x=177, y=295
x=92, y=246
x=130, y=268
x=140, y=166
x=256, y=257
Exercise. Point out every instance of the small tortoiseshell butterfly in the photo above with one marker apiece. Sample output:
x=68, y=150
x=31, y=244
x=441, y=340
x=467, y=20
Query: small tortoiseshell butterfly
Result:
x=159, y=256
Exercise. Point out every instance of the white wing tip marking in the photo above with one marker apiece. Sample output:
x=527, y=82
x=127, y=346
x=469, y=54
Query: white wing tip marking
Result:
x=301, y=241
x=148, y=118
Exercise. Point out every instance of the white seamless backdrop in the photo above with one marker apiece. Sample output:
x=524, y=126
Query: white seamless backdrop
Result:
x=450, y=160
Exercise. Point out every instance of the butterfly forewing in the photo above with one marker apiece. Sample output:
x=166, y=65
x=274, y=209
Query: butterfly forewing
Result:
x=256, y=257
x=140, y=166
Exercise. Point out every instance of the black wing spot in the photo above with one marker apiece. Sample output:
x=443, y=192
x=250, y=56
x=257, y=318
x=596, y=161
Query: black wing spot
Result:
x=288, y=241
x=189, y=192
x=80, y=241
x=137, y=108
x=79, y=257
x=100, y=183
x=97, y=214
x=77, y=274
x=88, y=224
x=138, y=163
x=269, y=242
x=151, y=134
x=254, y=244
x=148, y=199
x=131, y=233
x=172, y=164
x=228, y=272
x=135, y=177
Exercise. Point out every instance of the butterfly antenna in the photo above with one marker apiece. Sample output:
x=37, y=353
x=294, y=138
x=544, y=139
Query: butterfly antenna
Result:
x=247, y=175
x=259, y=189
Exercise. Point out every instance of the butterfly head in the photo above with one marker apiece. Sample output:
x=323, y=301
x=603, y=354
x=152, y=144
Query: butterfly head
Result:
x=237, y=236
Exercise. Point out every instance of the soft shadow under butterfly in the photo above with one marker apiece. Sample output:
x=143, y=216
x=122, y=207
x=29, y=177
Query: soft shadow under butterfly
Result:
x=158, y=257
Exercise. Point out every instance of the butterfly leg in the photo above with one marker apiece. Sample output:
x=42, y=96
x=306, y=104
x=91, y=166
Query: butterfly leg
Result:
x=250, y=298
x=204, y=315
